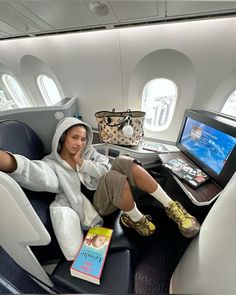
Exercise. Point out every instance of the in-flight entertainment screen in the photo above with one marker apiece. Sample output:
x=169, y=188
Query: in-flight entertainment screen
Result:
x=210, y=146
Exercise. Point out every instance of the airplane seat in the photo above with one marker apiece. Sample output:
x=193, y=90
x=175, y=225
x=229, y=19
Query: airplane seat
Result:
x=25, y=223
x=208, y=265
x=20, y=225
x=17, y=137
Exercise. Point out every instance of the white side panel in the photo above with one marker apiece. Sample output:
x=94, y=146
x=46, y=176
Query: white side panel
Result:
x=20, y=227
x=209, y=264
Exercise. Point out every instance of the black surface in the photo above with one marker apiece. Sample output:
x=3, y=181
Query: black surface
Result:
x=16, y=276
x=116, y=277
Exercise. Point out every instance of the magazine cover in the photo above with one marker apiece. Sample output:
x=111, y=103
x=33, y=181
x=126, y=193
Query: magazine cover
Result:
x=188, y=172
x=88, y=264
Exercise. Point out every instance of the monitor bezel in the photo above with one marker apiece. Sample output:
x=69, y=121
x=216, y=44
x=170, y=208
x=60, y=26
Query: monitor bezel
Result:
x=218, y=122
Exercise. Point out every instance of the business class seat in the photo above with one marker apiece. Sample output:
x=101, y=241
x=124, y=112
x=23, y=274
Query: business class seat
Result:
x=26, y=232
x=208, y=265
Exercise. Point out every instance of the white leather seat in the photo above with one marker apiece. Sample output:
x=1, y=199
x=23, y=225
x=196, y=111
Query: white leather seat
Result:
x=20, y=227
x=209, y=264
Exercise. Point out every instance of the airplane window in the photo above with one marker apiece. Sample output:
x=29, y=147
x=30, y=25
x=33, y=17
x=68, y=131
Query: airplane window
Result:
x=229, y=107
x=6, y=104
x=49, y=90
x=158, y=101
x=15, y=90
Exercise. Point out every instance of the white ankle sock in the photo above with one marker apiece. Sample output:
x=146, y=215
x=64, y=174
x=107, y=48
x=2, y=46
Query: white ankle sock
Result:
x=134, y=214
x=161, y=196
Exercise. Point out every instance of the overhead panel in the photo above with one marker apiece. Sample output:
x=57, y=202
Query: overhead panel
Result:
x=8, y=29
x=62, y=14
x=104, y=15
x=129, y=10
x=125, y=12
x=190, y=8
x=35, y=17
x=34, y=22
x=10, y=22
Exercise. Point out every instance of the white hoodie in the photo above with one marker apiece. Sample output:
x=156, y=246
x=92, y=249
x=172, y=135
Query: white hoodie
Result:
x=55, y=175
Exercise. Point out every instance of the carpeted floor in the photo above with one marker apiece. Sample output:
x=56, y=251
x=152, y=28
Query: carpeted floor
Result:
x=17, y=277
x=161, y=254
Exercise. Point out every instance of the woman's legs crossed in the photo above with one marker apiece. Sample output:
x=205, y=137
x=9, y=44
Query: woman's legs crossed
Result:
x=114, y=192
x=138, y=176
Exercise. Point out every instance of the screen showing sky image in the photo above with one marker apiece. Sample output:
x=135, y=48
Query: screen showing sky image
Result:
x=209, y=145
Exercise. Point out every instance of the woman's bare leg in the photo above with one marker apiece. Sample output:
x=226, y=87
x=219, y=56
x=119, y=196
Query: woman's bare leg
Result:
x=147, y=183
x=132, y=217
x=188, y=224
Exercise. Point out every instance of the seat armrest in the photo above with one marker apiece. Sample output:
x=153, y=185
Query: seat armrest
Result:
x=116, y=276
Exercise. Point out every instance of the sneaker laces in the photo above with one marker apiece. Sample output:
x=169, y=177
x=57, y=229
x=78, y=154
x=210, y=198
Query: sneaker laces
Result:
x=180, y=215
x=146, y=218
x=146, y=222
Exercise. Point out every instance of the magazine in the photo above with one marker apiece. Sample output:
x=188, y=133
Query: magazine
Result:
x=190, y=173
x=89, y=262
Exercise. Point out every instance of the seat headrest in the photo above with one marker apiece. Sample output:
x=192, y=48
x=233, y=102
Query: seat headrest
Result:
x=18, y=138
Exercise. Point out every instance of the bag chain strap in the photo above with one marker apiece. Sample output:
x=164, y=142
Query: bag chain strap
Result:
x=122, y=123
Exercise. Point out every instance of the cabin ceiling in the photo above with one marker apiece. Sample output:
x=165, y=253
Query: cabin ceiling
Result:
x=33, y=18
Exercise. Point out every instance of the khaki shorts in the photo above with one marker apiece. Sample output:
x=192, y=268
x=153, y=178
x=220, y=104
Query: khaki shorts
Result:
x=111, y=185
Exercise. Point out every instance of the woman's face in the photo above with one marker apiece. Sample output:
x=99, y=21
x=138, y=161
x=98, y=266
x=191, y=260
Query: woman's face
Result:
x=75, y=140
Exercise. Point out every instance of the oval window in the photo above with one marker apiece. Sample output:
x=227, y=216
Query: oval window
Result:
x=6, y=104
x=159, y=101
x=15, y=91
x=229, y=107
x=48, y=89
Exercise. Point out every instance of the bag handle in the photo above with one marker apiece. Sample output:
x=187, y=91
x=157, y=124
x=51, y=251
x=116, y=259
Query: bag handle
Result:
x=122, y=123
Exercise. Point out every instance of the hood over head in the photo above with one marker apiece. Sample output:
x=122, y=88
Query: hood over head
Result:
x=65, y=124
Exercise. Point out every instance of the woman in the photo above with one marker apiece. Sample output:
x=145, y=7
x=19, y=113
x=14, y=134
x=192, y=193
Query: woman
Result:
x=73, y=161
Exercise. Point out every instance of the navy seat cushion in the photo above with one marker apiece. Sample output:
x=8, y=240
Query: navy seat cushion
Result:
x=18, y=138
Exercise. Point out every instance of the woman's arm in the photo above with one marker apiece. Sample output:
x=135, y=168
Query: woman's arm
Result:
x=7, y=162
x=93, y=167
x=36, y=175
x=95, y=164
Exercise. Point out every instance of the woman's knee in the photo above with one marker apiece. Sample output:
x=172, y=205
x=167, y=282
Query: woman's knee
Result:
x=112, y=177
x=124, y=165
x=116, y=181
x=121, y=163
x=136, y=169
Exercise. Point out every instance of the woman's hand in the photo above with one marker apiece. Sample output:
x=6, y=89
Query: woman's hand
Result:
x=78, y=159
x=7, y=162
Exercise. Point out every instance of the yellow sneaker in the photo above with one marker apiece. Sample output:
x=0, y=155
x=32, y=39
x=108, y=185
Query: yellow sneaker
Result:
x=188, y=224
x=144, y=226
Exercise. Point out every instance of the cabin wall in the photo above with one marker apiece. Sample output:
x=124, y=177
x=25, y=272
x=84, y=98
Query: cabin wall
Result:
x=108, y=69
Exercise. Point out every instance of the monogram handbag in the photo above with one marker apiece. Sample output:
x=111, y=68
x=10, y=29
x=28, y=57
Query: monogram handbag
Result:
x=121, y=128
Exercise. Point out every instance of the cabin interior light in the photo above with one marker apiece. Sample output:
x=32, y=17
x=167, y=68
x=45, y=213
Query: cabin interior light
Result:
x=98, y=8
